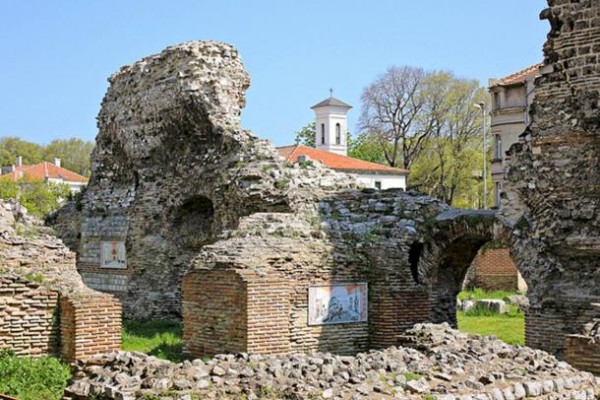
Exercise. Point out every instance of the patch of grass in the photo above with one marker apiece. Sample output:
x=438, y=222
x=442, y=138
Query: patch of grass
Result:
x=509, y=328
x=411, y=376
x=482, y=294
x=157, y=338
x=42, y=378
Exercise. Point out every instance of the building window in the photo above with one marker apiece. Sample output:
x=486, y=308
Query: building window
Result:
x=378, y=185
x=338, y=134
x=498, y=147
x=496, y=100
x=498, y=191
x=322, y=133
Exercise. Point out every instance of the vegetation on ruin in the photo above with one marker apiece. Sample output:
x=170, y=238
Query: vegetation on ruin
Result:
x=154, y=337
x=42, y=378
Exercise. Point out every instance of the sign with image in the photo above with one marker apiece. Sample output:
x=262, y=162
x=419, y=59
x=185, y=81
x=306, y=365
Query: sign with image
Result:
x=337, y=304
x=113, y=254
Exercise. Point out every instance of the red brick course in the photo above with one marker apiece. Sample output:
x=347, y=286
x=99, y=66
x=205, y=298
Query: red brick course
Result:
x=583, y=353
x=89, y=324
x=495, y=270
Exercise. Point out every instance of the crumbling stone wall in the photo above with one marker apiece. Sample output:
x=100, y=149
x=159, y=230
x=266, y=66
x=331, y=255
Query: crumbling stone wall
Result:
x=552, y=194
x=174, y=171
x=249, y=293
x=45, y=307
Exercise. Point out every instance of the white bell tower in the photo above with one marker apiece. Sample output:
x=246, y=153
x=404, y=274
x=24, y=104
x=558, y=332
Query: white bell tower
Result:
x=331, y=125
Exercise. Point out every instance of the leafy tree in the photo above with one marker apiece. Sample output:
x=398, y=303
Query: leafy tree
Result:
x=453, y=151
x=306, y=135
x=42, y=198
x=12, y=146
x=74, y=154
x=8, y=189
x=368, y=148
x=390, y=112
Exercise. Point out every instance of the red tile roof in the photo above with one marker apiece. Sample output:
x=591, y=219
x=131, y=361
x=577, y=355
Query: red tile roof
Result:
x=520, y=76
x=43, y=171
x=337, y=161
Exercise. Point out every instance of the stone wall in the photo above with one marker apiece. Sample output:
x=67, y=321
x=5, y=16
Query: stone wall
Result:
x=45, y=307
x=172, y=171
x=267, y=266
x=583, y=352
x=552, y=194
x=437, y=362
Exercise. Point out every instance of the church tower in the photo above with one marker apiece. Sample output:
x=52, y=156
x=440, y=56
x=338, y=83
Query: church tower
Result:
x=331, y=125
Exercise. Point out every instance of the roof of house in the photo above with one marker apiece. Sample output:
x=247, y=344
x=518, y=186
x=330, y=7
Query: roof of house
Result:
x=337, y=161
x=332, y=101
x=519, y=76
x=42, y=171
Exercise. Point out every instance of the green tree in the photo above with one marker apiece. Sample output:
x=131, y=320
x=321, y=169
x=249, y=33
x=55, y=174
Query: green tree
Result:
x=306, y=135
x=368, y=148
x=391, y=109
x=8, y=189
x=451, y=158
x=12, y=146
x=42, y=198
x=74, y=154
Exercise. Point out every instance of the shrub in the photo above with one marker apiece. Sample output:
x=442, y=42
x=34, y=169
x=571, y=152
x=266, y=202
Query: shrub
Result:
x=27, y=378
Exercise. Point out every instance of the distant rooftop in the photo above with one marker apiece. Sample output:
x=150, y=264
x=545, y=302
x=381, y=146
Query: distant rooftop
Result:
x=42, y=171
x=332, y=101
x=337, y=162
x=518, y=77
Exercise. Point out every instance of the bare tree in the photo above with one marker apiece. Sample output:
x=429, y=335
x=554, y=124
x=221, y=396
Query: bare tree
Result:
x=391, y=110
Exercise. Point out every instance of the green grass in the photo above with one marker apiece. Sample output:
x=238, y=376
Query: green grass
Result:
x=482, y=294
x=157, y=338
x=42, y=378
x=509, y=327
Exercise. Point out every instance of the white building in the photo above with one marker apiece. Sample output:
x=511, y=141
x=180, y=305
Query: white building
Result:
x=331, y=140
x=511, y=98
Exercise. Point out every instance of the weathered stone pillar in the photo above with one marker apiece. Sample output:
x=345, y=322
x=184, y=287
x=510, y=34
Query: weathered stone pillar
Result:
x=553, y=189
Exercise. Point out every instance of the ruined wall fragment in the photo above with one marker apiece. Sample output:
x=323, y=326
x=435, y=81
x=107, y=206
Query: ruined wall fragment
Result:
x=553, y=189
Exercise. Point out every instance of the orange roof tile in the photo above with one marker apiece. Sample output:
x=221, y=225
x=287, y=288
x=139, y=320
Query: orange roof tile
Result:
x=520, y=76
x=337, y=161
x=43, y=171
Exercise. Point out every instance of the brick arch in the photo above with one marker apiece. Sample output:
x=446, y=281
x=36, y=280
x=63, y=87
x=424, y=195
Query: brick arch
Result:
x=452, y=244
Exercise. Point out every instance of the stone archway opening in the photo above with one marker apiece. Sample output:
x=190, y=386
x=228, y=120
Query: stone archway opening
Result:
x=450, y=275
x=192, y=222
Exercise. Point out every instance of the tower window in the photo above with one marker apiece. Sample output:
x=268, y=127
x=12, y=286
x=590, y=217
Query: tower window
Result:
x=322, y=133
x=338, y=134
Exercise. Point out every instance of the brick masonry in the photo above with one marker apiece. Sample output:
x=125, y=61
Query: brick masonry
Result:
x=28, y=316
x=495, y=270
x=89, y=325
x=45, y=308
x=250, y=292
x=583, y=352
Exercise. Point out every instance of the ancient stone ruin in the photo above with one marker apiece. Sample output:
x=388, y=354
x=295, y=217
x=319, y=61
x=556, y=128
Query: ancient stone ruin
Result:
x=173, y=171
x=552, y=200
x=436, y=363
x=44, y=306
x=188, y=215
x=179, y=189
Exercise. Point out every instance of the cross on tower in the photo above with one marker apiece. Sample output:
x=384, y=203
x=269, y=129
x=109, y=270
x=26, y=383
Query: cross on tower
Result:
x=330, y=92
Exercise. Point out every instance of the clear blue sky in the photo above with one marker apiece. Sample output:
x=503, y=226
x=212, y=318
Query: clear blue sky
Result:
x=57, y=55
